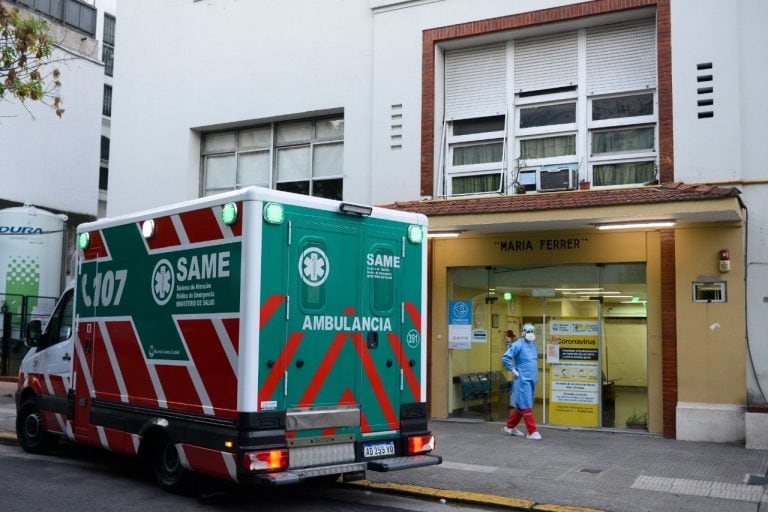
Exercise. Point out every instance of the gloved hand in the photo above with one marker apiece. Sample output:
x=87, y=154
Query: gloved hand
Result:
x=515, y=374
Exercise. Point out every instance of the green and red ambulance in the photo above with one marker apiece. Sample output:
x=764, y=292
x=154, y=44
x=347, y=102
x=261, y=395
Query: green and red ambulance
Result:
x=256, y=336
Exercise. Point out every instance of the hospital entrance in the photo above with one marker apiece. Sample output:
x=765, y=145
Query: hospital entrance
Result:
x=591, y=335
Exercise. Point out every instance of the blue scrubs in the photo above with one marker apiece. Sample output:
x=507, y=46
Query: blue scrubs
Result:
x=523, y=356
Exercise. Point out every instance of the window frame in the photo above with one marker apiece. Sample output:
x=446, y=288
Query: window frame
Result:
x=474, y=170
x=273, y=148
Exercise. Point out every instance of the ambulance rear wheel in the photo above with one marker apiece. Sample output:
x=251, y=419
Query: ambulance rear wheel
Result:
x=30, y=429
x=170, y=473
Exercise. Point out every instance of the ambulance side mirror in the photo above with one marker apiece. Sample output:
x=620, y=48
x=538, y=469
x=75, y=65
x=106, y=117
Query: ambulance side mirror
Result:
x=34, y=333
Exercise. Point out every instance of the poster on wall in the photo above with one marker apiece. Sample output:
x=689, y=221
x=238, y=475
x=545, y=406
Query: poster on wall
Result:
x=575, y=373
x=460, y=324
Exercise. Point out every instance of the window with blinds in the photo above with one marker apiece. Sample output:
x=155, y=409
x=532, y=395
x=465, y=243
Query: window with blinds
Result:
x=583, y=99
x=475, y=82
x=621, y=57
x=546, y=62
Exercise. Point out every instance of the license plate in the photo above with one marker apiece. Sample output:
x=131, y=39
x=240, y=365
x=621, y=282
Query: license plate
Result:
x=379, y=449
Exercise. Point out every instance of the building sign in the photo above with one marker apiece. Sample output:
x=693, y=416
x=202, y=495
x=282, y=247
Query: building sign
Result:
x=460, y=324
x=520, y=245
x=574, y=373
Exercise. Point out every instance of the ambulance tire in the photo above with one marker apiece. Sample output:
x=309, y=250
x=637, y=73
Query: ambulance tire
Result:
x=30, y=429
x=169, y=471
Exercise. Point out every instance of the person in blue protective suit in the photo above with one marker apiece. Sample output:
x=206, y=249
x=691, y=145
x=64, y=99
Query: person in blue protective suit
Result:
x=521, y=358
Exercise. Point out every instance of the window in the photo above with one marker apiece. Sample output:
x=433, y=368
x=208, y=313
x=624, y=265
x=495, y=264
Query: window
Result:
x=106, y=106
x=103, y=178
x=548, y=115
x=304, y=157
x=621, y=150
x=104, y=149
x=583, y=99
x=108, y=45
x=74, y=13
x=475, y=155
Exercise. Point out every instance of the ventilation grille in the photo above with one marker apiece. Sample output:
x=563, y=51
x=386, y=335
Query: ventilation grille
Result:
x=621, y=57
x=396, y=127
x=546, y=62
x=475, y=82
x=705, y=92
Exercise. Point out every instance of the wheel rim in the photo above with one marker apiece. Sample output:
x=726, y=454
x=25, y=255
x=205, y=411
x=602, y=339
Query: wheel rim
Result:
x=32, y=426
x=171, y=463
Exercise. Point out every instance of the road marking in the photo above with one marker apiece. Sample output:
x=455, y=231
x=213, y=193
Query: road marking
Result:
x=740, y=492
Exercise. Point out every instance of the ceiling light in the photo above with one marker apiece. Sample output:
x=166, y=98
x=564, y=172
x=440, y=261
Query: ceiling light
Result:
x=637, y=225
x=443, y=234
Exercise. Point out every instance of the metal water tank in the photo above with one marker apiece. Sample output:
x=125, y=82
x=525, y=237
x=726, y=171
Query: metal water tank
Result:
x=31, y=242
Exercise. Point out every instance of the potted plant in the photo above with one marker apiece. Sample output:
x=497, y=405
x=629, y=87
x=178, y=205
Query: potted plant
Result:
x=637, y=420
x=584, y=185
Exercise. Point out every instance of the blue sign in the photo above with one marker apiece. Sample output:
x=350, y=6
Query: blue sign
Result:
x=460, y=312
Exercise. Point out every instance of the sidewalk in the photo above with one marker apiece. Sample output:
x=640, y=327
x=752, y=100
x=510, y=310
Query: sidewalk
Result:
x=610, y=471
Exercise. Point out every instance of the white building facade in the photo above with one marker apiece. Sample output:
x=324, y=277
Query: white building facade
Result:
x=451, y=101
x=50, y=162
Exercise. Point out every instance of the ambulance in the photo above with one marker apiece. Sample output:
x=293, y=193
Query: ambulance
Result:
x=256, y=336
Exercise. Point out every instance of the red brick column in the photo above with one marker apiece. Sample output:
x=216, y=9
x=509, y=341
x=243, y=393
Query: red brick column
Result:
x=668, y=334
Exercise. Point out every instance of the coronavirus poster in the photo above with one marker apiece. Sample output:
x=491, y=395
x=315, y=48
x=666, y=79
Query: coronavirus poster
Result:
x=574, y=384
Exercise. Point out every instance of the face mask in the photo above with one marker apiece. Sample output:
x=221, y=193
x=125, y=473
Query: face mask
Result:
x=529, y=336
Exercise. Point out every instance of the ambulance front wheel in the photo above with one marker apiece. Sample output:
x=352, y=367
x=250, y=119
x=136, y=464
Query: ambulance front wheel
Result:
x=30, y=429
x=170, y=473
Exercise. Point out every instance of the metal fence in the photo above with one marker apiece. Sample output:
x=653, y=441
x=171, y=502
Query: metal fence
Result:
x=16, y=311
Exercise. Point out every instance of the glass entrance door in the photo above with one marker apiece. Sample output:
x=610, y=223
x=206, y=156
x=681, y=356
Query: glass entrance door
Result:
x=591, y=334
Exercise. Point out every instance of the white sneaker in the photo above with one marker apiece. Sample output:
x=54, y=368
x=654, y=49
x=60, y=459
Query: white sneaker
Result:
x=512, y=432
x=535, y=436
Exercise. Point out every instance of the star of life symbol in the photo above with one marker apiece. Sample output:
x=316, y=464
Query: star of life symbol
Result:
x=314, y=266
x=162, y=282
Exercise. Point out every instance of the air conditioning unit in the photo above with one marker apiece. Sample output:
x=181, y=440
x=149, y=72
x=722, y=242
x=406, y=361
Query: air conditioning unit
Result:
x=562, y=178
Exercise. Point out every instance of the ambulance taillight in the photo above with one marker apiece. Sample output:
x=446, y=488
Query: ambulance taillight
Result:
x=420, y=444
x=269, y=460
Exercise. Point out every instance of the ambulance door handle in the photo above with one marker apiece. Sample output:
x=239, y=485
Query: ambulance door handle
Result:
x=66, y=357
x=299, y=363
x=270, y=363
x=389, y=363
x=412, y=363
x=88, y=345
x=372, y=340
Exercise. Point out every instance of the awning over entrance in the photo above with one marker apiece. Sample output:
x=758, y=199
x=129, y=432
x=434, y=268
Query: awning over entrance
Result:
x=683, y=203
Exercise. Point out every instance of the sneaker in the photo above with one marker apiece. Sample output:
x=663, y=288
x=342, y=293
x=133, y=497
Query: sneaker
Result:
x=535, y=436
x=512, y=432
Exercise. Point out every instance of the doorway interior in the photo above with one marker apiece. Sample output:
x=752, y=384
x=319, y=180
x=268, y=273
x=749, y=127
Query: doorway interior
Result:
x=591, y=326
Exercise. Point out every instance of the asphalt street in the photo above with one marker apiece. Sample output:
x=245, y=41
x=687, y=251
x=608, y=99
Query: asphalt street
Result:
x=569, y=469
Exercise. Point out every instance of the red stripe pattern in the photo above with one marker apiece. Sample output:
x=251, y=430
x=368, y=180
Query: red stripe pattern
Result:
x=375, y=380
x=201, y=225
x=96, y=247
x=212, y=363
x=165, y=234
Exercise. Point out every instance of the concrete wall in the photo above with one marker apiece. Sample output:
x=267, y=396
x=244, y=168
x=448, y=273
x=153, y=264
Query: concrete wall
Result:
x=53, y=162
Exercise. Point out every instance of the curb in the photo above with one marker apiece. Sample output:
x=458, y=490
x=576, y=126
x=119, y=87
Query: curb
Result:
x=444, y=495
x=8, y=438
x=466, y=497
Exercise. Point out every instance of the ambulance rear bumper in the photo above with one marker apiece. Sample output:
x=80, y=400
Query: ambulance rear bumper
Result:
x=408, y=462
x=294, y=476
